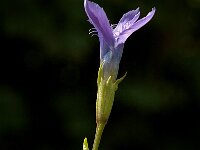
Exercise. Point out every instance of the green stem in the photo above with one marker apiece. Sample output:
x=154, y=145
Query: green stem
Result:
x=99, y=131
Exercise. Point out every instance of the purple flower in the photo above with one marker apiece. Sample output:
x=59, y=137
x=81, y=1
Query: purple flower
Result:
x=113, y=37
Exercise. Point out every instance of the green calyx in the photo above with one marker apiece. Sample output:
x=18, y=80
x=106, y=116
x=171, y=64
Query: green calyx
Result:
x=105, y=96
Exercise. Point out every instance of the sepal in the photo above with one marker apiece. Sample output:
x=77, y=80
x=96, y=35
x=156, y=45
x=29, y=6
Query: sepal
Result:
x=105, y=95
x=100, y=74
x=119, y=81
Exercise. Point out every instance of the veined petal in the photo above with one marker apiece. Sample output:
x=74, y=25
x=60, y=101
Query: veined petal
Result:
x=132, y=26
x=130, y=16
x=99, y=20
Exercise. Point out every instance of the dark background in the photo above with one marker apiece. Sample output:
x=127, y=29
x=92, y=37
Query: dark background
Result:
x=48, y=72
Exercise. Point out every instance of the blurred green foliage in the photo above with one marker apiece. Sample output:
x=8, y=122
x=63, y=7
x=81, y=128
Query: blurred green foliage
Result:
x=49, y=67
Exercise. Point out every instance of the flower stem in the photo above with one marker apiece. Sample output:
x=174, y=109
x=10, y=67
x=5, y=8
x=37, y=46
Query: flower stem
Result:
x=99, y=131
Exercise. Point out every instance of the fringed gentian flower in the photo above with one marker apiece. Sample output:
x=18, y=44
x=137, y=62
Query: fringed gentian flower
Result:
x=112, y=39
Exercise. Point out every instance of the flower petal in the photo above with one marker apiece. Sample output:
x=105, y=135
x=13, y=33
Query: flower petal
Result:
x=99, y=20
x=127, y=19
x=132, y=26
x=133, y=14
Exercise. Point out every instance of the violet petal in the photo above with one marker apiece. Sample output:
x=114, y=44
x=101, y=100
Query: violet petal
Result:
x=127, y=19
x=133, y=14
x=133, y=26
x=99, y=20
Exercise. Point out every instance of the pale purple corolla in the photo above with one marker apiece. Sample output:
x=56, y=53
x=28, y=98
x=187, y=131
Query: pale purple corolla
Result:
x=113, y=37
